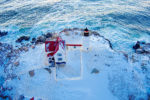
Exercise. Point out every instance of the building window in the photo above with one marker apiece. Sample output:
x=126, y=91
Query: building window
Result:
x=59, y=54
x=59, y=59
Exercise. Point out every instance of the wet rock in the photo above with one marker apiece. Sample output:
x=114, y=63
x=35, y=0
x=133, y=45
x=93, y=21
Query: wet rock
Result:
x=31, y=73
x=21, y=97
x=40, y=39
x=26, y=38
x=33, y=40
x=3, y=97
x=95, y=71
x=3, y=33
x=65, y=30
x=95, y=33
x=48, y=35
x=76, y=29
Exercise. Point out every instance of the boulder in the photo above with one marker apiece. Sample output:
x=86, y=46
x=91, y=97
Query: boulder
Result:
x=3, y=33
x=48, y=35
x=31, y=73
x=95, y=71
x=21, y=97
x=26, y=38
x=33, y=40
x=41, y=39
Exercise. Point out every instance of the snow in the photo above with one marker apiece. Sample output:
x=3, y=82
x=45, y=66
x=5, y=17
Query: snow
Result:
x=28, y=60
x=72, y=69
x=75, y=80
x=80, y=63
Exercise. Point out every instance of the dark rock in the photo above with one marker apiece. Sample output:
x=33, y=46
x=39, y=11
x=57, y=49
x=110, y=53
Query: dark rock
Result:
x=41, y=39
x=48, y=69
x=96, y=71
x=48, y=35
x=26, y=38
x=75, y=28
x=95, y=33
x=31, y=73
x=21, y=97
x=33, y=40
x=3, y=33
x=3, y=97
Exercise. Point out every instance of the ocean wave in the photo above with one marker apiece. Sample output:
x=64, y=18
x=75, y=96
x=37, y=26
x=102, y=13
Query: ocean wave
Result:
x=120, y=21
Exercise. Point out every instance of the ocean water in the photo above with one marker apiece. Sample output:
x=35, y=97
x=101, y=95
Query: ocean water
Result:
x=123, y=22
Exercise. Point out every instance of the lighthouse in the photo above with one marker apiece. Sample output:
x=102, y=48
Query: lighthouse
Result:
x=56, y=51
x=86, y=32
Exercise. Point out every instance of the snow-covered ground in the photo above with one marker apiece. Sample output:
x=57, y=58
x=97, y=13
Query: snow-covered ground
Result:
x=115, y=78
x=43, y=85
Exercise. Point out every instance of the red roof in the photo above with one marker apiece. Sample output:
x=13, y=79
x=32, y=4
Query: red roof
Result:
x=53, y=46
x=73, y=44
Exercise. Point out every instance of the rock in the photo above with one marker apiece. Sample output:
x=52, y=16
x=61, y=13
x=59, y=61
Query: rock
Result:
x=33, y=40
x=5, y=97
x=41, y=39
x=3, y=33
x=21, y=97
x=16, y=63
x=96, y=71
x=75, y=29
x=26, y=38
x=48, y=35
x=48, y=69
x=31, y=73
